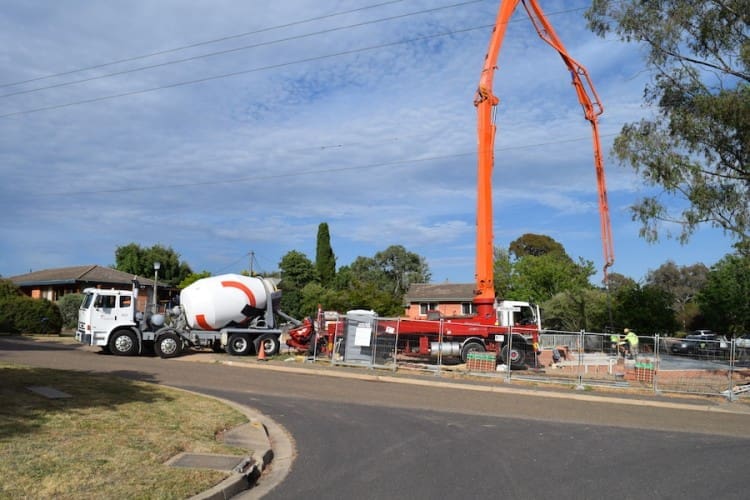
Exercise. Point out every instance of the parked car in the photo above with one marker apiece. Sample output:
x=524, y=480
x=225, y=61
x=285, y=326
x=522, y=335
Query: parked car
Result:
x=743, y=341
x=702, y=344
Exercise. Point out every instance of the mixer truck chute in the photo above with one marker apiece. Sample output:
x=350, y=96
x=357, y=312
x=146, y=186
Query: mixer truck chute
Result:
x=228, y=312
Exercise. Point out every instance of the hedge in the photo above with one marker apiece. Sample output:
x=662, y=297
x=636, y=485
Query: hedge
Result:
x=21, y=314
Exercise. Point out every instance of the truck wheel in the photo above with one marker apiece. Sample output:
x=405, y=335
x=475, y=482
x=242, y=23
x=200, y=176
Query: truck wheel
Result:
x=168, y=345
x=471, y=347
x=216, y=346
x=123, y=343
x=513, y=357
x=238, y=345
x=270, y=343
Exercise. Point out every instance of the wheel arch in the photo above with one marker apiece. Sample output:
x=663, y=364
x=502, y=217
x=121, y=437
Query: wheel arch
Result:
x=475, y=340
x=171, y=332
x=468, y=343
x=127, y=328
x=257, y=341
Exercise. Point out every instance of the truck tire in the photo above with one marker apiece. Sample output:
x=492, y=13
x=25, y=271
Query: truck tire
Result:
x=123, y=343
x=168, y=345
x=468, y=347
x=238, y=345
x=270, y=343
x=514, y=356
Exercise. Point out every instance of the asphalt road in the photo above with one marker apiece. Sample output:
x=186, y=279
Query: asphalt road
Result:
x=379, y=439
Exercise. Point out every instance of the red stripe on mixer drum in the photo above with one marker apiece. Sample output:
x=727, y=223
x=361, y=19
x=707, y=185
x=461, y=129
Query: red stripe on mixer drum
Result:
x=201, y=320
x=240, y=286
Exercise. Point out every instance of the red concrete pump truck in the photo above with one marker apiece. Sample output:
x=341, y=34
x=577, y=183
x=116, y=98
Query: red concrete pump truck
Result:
x=508, y=328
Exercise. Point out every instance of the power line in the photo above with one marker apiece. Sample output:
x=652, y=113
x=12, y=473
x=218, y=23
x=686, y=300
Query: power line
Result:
x=242, y=72
x=237, y=49
x=253, y=70
x=199, y=44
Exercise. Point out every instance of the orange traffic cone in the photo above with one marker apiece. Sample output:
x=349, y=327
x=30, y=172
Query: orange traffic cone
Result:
x=261, y=351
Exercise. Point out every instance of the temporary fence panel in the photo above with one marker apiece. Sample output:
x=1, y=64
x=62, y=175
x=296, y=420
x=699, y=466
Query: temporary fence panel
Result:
x=660, y=364
x=363, y=341
x=384, y=343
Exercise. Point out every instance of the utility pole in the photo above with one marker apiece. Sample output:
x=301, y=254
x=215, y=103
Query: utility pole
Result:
x=252, y=258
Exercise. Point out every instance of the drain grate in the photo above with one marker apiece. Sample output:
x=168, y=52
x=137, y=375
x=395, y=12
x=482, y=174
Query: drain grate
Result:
x=227, y=463
x=49, y=392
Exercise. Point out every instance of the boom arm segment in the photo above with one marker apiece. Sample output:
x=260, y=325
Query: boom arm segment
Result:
x=485, y=102
x=592, y=109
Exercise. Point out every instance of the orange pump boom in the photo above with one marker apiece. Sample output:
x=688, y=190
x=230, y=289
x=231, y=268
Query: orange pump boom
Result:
x=485, y=102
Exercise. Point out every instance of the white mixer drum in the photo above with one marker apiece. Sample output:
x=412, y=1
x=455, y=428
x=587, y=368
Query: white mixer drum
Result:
x=215, y=302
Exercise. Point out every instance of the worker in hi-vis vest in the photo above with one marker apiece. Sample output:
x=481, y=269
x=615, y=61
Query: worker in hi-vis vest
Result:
x=632, y=339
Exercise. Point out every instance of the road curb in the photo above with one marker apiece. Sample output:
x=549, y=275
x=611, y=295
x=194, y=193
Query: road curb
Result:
x=255, y=436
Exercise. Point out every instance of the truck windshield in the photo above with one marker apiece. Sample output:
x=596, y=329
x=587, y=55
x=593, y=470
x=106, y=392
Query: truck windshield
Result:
x=87, y=300
x=525, y=316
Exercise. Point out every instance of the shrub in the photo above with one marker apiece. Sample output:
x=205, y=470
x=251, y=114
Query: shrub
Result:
x=21, y=314
x=69, y=305
x=8, y=289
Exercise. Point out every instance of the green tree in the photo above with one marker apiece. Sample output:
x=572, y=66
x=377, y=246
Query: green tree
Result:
x=325, y=260
x=402, y=267
x=361, y=270
x=619, y=282
x=572, y=311
x=645, y=309
x=683, y=283
x=8, y=289
x=540, y=269
x=540, y=278
x=297, y=271
x=380, y=282
x=192, y=278
x=535, y=245
x=69, y=305
x=365, y=285
x=724, y=298
x=698, y=148
x=134, y=259
x=367, y=295
x=502, y=273
x=315, y=294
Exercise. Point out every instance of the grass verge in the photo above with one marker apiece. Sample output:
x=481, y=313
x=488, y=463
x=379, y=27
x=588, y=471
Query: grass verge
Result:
x=110, y=439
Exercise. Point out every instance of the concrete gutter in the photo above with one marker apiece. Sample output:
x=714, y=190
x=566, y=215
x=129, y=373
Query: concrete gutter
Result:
x=265, y=441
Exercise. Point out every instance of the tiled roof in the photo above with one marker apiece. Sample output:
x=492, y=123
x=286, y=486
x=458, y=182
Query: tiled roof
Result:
x=77, y=274
x=443, y=292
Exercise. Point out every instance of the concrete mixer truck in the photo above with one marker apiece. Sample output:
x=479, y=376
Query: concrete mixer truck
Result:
x=239, y=314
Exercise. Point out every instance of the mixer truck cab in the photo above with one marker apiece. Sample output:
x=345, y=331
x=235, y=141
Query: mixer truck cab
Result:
x=108, y=319
x=100, y=311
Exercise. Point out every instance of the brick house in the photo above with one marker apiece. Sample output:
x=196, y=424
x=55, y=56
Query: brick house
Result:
x=52, y=284
x=449, y=299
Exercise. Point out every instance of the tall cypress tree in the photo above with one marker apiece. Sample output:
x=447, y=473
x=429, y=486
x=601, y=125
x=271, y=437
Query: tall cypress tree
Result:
x=325, y=260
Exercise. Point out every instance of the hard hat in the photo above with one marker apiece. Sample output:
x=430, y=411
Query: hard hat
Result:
x=627, y=330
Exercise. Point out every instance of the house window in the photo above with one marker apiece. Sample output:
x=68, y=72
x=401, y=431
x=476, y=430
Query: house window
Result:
x=467, y=308
x=424, y=307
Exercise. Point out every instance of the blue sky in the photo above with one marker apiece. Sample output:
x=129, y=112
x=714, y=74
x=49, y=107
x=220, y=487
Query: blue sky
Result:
x=340, y=120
